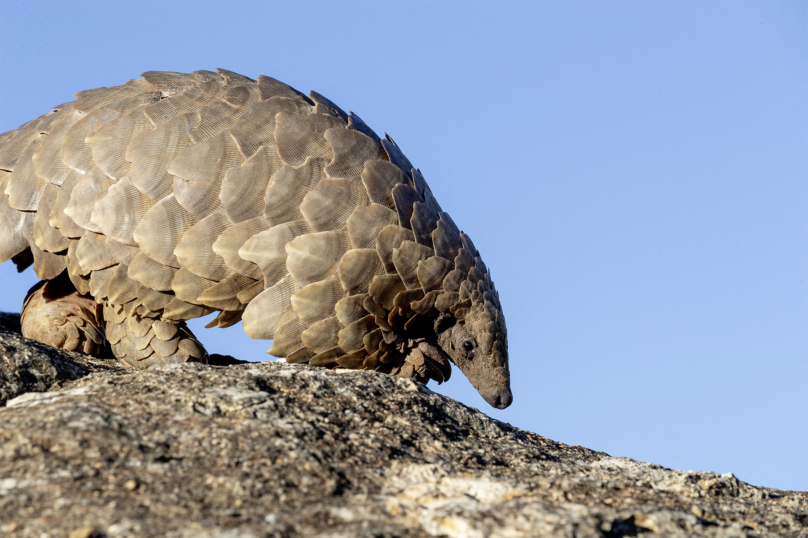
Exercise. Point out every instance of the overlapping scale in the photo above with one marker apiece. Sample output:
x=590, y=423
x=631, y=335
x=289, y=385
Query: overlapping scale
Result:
x=350, y=309
x=195, y=249
x=188, y=287
x=191, y=100
x=267, y=249
x=214, y=118
x=161, y=229
x=389, y=238
x=270, y=87
x=351, y=150
x=58, y=218
x=446, y=238
x=301, y=137
x=46, y=236
x=170, y=82
x=379, y=178
x=88, y=190
x=324, y=105
x=92, y=253
x=109, y=143
x=224, y=295
x=262, y=315
x=315, y=256
x=384, y=288
x=423, y=222
x=178, y=310
x=250, y=292
x=12, y=239
x=151, y=273
x=152, y=151
x=232, y=239
x=16, y=143
x=286, y=337
x=150, y=301
x=5, y=140
x=130, y=104
x=99, y=283
x=245, y=186
x=351, y=337
x=123, y=252
x=240, y=93
x=316, y=301
x=356, y=123
x=24, y=188
x=327, y=358
x=395, y=155
x=118, y=213
x=90, y=100
x=406, y=258
x=47, y=160
x=76, y=152
x=47, y=265
x=357, y=268
x=322, y=335
x=80, y=281
x=328, y=206
x=256, y=127
x=405, y=198
x=288, y=188
x=366, y=222
x=199, y=172
x=432, y=271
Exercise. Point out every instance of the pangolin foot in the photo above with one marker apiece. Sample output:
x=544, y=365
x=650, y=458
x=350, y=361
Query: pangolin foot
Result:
x=140, y=342
x=54, y=313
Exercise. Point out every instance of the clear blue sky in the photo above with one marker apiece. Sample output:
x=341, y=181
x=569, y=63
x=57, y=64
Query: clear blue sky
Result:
x=634, y=173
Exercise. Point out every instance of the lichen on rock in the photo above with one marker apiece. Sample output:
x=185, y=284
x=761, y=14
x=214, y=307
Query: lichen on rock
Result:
x=273, y=449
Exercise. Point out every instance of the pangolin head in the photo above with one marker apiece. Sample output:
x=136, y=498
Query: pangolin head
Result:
x=473, y=332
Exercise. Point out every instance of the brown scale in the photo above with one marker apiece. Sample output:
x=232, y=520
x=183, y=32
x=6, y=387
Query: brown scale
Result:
x=394, y=341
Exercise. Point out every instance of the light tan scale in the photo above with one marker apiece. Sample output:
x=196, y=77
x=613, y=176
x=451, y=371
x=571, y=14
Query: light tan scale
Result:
x=46, y=236
x=181, y=194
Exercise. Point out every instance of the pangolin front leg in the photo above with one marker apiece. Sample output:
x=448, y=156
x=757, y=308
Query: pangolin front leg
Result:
x=140, y=342
x=56, y=314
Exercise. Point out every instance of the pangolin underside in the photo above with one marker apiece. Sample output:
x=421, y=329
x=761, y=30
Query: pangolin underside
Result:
x=177, y=195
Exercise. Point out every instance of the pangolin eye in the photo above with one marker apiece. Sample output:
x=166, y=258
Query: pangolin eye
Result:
x=468, y=346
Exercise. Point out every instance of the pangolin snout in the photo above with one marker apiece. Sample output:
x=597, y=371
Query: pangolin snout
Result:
x=500, y=399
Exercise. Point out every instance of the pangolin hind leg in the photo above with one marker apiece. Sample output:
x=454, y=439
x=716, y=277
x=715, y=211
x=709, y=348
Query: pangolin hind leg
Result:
x=56, y=314
x=140, y=342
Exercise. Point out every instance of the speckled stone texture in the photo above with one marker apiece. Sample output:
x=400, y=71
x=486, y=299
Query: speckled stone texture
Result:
x=278, y=450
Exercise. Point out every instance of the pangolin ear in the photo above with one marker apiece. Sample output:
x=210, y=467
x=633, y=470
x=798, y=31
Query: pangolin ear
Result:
x=444, y=322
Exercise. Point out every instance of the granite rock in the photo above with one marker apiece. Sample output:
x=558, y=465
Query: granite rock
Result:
x=248, y=450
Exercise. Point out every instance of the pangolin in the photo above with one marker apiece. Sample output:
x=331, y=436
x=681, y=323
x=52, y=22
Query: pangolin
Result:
x=177, y=195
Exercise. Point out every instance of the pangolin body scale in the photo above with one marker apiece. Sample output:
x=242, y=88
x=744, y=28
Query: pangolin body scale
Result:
x=177, y=195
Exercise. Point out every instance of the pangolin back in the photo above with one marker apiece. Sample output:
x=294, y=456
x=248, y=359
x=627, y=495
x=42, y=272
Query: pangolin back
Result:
x=177, y=195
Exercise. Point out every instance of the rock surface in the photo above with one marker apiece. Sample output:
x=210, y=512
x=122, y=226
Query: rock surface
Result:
x=277, y=450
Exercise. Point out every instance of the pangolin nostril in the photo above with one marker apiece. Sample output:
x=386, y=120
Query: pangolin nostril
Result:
x=500, y=399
